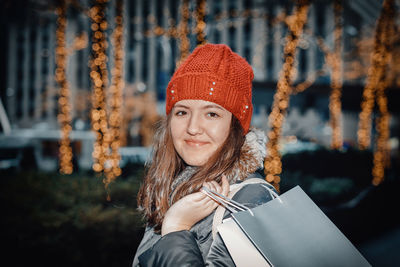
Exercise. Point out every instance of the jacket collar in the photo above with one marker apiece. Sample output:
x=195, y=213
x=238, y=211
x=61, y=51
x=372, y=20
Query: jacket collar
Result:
x=252, y=155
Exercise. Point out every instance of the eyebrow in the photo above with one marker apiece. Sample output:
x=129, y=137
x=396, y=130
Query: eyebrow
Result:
x=213, y=106
x=204, y=107
x=180, y=106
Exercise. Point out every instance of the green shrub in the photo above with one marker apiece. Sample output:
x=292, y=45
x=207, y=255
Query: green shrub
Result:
x=64, y=220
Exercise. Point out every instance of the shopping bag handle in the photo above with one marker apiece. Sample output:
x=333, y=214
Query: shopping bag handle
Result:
x=218, y=216
x=231, y=204
x=228, y=203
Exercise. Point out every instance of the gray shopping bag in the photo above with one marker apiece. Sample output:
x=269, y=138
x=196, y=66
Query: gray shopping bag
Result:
x=292, y=231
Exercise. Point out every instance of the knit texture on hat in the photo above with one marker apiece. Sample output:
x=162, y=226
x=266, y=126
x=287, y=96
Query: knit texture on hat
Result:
x=214, y=73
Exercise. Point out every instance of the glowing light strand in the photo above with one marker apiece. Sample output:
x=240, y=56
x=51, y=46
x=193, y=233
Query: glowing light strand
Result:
x=99, y=78
x=116, y=89
x=183, y=31
x=273, y=164
x=379, y=60
x=64, y=115
x=381, y=153
x=176, y=32
x=312, y=75
x=335, y=106
x=200, y=23
x=381, y=158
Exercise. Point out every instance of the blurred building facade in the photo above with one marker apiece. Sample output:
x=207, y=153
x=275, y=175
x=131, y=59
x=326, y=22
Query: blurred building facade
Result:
x=252, y=28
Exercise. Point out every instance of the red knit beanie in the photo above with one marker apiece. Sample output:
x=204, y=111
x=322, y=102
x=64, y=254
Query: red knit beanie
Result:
x=214, y=73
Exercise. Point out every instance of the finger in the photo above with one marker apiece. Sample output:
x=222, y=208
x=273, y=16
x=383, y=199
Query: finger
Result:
x=225, y=185
x=209, y=200
x=203, y=191
x=206, y=197
x=216, y=186
x=208, y=185
x=212, y=186
x=198, y=196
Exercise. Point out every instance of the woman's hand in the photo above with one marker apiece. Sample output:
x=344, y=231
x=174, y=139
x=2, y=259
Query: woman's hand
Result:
x=187, y=211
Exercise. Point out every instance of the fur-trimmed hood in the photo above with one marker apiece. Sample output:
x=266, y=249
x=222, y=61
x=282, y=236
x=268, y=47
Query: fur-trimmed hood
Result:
x=252, y=155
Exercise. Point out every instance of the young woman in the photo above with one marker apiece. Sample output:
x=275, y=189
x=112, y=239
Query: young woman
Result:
x=203, y=141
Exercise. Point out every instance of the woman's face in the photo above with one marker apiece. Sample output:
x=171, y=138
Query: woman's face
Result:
x=198, y=129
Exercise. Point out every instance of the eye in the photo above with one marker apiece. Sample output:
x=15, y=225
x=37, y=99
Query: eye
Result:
x=212, y=115
x=180, y=113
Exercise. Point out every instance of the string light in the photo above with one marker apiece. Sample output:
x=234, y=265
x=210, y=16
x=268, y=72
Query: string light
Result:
x=116, y=89
x=273, y=164
x=309, y=81
x=335, y=106
x=200, y=23
x=381, y=155
x=99, y=76
x=313, y=75
x=183, y=31
x=64, y=114
x=235, y=16
x=379, y=58
x=333, y=59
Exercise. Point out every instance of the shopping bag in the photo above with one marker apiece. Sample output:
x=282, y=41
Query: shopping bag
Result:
x=239, y=246
x=291, y=230
x=241, y=249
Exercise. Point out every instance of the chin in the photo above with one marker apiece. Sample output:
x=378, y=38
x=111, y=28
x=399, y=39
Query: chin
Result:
x=195, y=162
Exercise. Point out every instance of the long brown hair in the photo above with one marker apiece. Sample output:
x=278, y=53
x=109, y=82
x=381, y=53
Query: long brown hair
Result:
x=154, y=194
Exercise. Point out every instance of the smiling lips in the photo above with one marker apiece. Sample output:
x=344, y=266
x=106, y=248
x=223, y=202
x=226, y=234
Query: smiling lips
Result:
x=195, y=143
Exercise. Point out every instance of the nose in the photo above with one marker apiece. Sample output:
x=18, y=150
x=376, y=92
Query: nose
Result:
x=194, y=126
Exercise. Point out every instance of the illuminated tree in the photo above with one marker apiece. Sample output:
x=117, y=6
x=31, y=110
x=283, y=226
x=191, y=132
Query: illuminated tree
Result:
x=273, y=164
x=375, y=90
x=64, y=116
x=116, y=90
x=99, y=75
x=183, y=31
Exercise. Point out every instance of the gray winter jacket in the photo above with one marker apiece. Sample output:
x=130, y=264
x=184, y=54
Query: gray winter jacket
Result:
x=198, y=247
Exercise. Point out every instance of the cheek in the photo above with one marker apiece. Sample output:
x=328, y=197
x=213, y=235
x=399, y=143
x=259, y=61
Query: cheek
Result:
x=220, y=132
x=176, y=129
